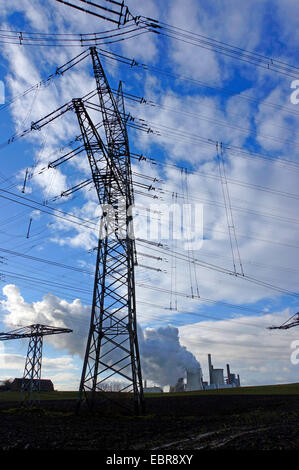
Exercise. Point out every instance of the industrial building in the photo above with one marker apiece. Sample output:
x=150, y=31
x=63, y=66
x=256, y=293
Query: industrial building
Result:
x=217, y=380
x=45, y=385
x=153, y=389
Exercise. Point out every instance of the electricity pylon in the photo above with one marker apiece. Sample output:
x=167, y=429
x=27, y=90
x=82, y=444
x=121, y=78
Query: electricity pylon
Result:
x=112, y=350
x=30, y=387
x=33, y=365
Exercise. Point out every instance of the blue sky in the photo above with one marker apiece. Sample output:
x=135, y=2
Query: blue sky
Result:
x=203, y=98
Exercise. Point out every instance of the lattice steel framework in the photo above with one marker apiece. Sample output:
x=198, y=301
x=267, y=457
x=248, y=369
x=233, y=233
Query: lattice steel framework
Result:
x=30, y=386
x=112, y=351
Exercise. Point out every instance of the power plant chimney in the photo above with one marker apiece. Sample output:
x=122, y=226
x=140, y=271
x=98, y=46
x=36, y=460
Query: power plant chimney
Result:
x=228, y=373
x=210, y=369
x=216, y=375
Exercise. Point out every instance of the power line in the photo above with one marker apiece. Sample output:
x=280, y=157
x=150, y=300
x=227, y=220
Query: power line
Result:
x=164, y=29
x=93, y=227
x=144, y=127
x=46, y=261
x=184, y=136
x=201, y=299
x=40, y=207
x=202, y=315
x=222, y=270
x=133, y=64
x=228, y=210
x=154, y=161
x=152, y=287
x=151, y=103
x=108, y=55
x=223, y=48
x=44, y=83
x=56, y=40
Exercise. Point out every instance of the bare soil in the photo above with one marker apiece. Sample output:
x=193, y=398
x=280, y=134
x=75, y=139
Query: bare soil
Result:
x=234, y=422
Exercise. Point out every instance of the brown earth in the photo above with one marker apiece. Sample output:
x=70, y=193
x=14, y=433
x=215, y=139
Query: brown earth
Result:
x=238, y=422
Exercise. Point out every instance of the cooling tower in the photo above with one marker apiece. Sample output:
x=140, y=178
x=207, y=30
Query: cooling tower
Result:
x=194, y=380
x=217, y=377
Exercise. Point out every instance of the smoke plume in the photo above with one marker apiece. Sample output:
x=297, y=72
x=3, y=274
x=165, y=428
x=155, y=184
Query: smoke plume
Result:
x=164, y=359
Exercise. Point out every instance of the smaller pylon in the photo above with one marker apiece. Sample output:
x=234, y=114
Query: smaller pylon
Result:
x=30, y=387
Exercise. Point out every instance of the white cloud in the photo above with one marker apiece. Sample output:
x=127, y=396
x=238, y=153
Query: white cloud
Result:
x=12, y=363
x=144, y=47
x=65, y=381
x=57, y=363
x=279, y=124
x=50, y=311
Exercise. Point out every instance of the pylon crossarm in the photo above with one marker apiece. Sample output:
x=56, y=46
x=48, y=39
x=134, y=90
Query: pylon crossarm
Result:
x=288, y=324
x=29, y=332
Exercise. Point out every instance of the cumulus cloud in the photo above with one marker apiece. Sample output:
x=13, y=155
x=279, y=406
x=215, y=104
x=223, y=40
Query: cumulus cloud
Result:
x=51, y=311
x=65, y=381
x=11, y=363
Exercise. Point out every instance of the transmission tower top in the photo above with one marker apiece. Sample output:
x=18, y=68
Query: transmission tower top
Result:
x=290, y=323
x=33, y=330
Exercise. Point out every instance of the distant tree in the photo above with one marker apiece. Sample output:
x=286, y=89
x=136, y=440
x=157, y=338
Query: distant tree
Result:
x=5, y=385
x=110, y=386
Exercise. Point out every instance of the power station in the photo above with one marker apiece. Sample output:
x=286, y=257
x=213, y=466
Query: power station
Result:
x=217, y=379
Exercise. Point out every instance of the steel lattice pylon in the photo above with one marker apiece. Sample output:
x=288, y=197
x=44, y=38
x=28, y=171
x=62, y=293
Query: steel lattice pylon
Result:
x=30, y=387
x=112, y=346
